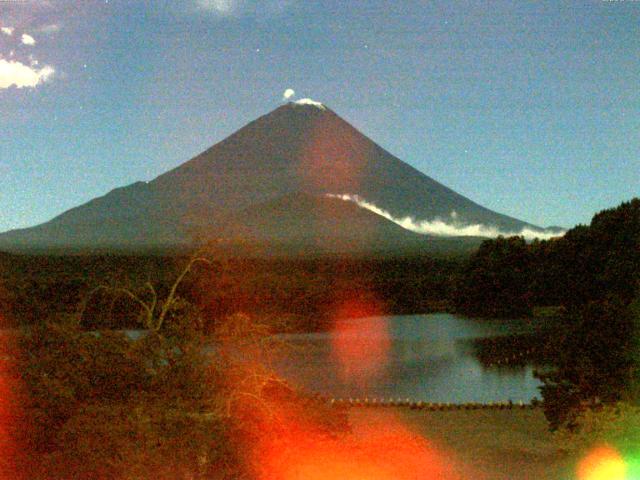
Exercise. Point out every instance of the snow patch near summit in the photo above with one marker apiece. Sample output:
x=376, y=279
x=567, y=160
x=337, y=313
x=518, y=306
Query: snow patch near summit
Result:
x=309, y=101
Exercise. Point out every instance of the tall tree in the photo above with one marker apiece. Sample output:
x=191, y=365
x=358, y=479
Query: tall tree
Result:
x=496, y=281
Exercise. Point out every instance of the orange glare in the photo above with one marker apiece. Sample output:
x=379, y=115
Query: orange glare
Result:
x=361, y=346
x=388, y=452
x=602, y=463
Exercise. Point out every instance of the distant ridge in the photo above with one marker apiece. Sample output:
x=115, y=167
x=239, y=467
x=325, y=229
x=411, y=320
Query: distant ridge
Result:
x=279, y=166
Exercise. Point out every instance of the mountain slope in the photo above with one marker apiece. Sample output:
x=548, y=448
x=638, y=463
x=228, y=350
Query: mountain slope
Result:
x=295, y=149
x=304, y=148
x=305, y=223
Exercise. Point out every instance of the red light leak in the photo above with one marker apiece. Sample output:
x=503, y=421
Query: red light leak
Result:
x=361, y=346
x=293, y=445
x=388, y=451
x=333, y=159
x=8, y=417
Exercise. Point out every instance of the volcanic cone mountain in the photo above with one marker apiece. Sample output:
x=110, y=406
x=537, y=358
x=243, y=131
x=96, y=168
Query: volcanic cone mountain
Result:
x=275, y=171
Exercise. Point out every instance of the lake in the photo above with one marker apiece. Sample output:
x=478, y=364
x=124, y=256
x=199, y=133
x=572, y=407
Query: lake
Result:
x=420, y=357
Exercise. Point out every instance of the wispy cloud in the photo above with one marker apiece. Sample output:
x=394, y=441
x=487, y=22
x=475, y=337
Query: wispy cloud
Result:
x=49, y=29
x=239, y=8
x=27, y=39
x=440, y=227
x=220, y=7
x=7, y=30
x=14, y=73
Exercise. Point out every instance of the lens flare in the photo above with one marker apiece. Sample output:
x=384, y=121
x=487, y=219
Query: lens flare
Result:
x=388, y=452
x=8, y=415
x=360, y=338
x=333, y=158
x=603, y=463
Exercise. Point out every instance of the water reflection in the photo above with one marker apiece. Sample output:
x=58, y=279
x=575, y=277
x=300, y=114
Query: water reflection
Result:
x=430, y=359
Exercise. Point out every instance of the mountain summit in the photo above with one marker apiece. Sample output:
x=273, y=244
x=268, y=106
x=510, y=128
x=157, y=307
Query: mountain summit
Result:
x=300, y=150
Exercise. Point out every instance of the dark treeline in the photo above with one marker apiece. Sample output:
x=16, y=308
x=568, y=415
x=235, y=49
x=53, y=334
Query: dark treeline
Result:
x=305, y=292
x=508, y=277
x=593, y=273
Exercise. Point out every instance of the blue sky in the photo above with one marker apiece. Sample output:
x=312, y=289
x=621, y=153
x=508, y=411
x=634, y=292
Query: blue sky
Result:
x=531, y=109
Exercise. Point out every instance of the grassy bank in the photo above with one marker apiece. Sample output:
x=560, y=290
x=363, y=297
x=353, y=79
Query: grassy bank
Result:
x=482, y=444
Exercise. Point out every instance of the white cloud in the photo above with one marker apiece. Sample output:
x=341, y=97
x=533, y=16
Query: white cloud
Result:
x=7, y=30
x=28, y=39
x=221, y=7
x=240, y=8
x=14, y=73
x=441, y=228
x=48, y=29
x=288, y=93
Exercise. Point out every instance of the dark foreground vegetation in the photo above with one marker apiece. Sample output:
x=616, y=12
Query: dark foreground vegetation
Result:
x=101, y=406
x=78, y=399
x=82, y=400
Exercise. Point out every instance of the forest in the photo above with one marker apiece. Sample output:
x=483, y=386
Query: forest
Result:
x=36, y=288
x=593, y=274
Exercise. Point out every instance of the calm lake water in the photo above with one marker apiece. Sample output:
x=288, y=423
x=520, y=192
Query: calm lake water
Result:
x=421, y=357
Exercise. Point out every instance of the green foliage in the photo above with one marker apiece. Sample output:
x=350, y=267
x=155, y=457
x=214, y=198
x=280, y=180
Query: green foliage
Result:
x=99, y=405
x=144, y=439
x=594, y=361
x=595, y=272
x=615, y=234
x=65, y=367
x=506, y=277
x=496, y=280
x=616, y=424
x=591, y=263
